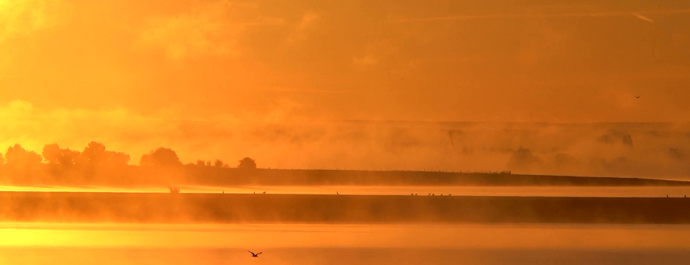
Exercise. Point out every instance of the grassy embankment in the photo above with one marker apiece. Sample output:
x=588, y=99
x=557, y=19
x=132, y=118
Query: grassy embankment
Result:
x=223, y=176
x=218, y=176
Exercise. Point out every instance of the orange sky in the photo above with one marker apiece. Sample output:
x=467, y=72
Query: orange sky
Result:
x=126, y=64
x=401, y=60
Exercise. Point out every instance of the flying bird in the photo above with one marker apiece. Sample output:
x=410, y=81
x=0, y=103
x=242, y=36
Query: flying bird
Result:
x=255, y=255
x=637, y=15
x=637, y=97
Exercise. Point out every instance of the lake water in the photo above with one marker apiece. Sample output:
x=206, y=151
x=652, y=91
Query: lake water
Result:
x=105, y=244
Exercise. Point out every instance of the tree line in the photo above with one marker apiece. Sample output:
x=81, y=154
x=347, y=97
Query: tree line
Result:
x=94, y=163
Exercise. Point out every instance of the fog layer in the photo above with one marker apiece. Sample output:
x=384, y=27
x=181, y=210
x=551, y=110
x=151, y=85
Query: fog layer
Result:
x=282, y=140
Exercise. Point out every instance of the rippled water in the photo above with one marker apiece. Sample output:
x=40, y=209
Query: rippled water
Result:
x=40, y=243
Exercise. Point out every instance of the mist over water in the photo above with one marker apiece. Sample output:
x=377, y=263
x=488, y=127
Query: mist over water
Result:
x=40, y=243
x=557, y=127
x=649, y=150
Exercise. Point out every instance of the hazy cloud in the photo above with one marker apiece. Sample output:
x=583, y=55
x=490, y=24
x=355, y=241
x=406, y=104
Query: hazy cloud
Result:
x=22, y=17
x=546, y=15
x=214, y=28
x=303, y=28
x=364, y=61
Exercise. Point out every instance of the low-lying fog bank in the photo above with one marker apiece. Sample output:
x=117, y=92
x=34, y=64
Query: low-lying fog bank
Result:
x=183, y=208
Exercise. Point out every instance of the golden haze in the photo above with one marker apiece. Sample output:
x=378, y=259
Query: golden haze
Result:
x=228, y=79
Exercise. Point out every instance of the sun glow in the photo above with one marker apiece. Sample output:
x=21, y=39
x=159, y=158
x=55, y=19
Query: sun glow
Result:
x=324, y=236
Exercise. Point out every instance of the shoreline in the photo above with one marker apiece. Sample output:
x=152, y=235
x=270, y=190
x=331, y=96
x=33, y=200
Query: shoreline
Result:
x=296, y=208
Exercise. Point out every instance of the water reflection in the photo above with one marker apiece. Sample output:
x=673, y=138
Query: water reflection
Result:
x=339, y=256
x=37, y=243
x=258, y=236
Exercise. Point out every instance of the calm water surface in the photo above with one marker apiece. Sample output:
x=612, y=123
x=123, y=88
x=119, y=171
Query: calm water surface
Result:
x=105, y=244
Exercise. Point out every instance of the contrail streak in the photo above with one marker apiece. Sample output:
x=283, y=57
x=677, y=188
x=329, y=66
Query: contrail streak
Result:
x=643, y=17
x=560, y=15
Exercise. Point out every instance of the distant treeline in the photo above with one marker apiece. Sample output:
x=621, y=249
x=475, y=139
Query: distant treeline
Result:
x=162, y=167
x=96, y=165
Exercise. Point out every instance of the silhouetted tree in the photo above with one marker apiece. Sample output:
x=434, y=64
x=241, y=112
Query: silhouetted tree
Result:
x=54, y=155
x=117, y=158
x=51, y=153
x=2, y=159
x=200, y=163
x=22, y=162
x=96, y=162
x=247, y=163
x=162, y=157
x=218, y=163
x=60, y=161
x=93, y=154
x=17, y=155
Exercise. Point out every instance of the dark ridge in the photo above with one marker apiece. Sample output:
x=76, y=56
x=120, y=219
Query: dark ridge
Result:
x=235, y=208
x=130, y=175
x=229, y=176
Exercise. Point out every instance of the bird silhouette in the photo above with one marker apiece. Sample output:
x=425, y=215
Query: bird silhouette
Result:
x=637, y=96
x=255, y=255
x=666, y=195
